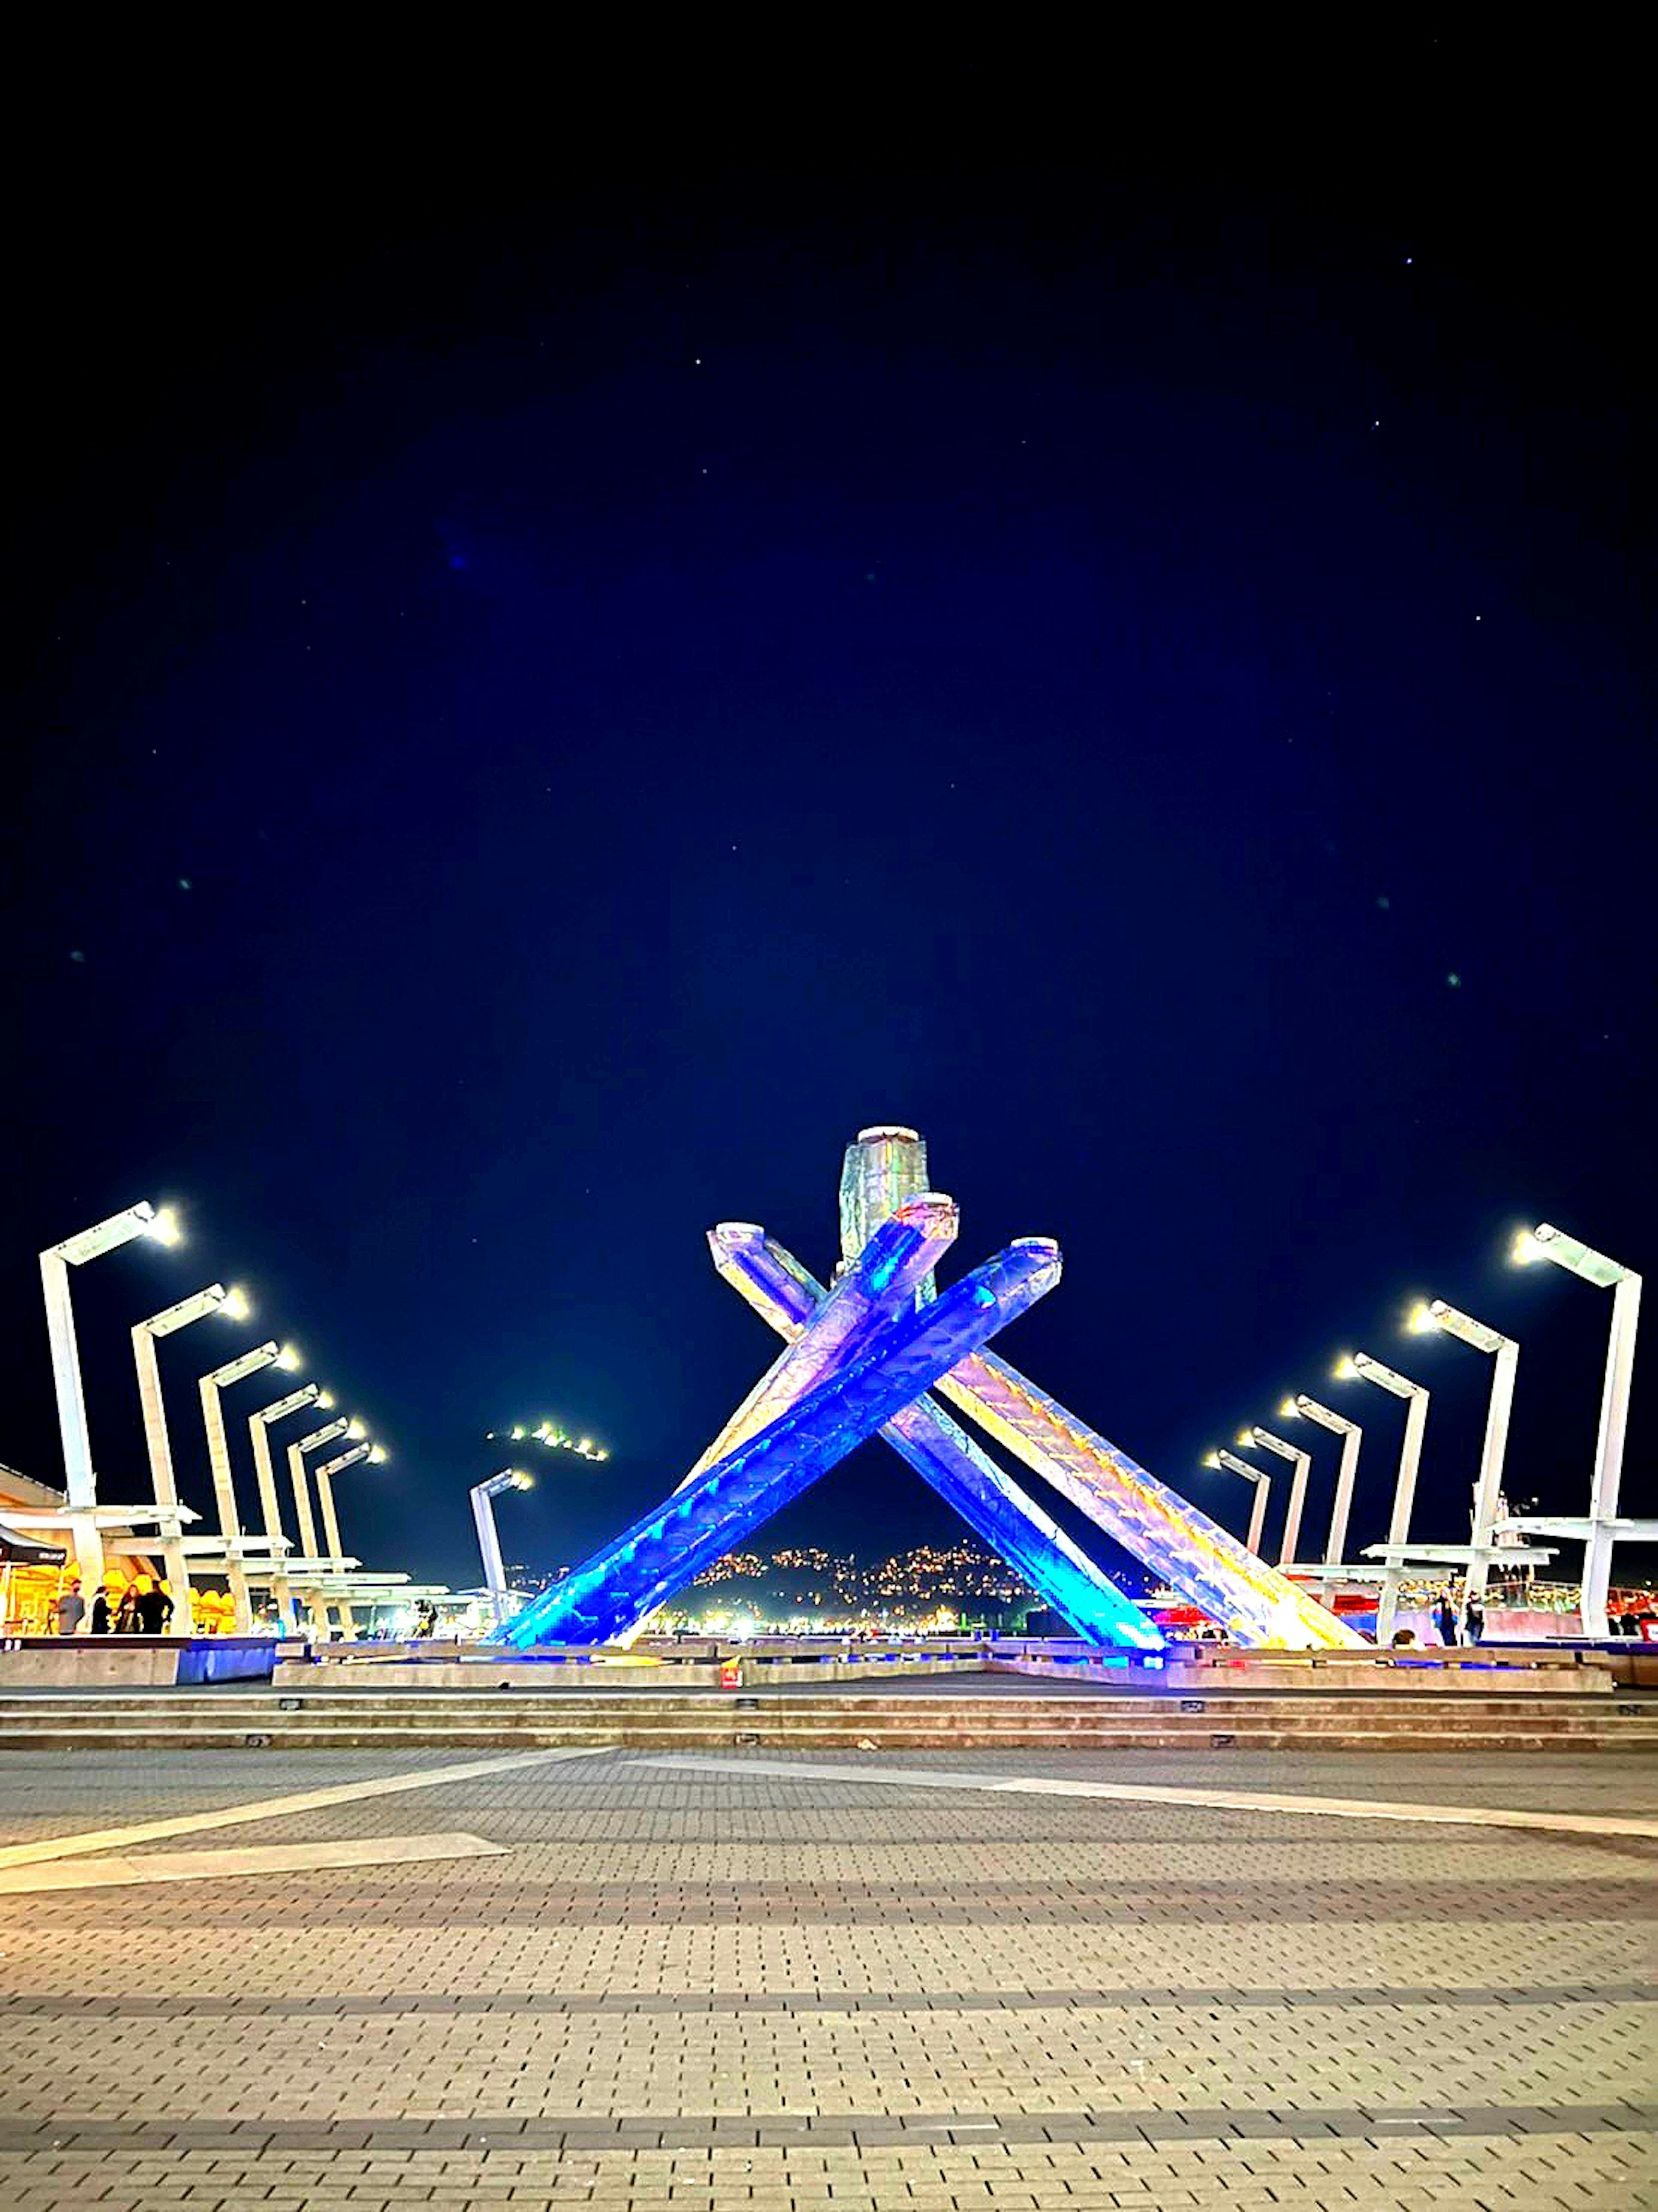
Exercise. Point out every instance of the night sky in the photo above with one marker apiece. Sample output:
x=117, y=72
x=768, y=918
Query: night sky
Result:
x=539, y=707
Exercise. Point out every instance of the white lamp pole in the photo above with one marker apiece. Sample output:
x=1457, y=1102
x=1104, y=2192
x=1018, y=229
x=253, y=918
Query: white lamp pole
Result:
x=1602, y=1529
x=483, y=1516
x=1360, y=1367
x=1263, y=1484
x=1350, y=1432
x=218, y=1456
x=259, y=1426
x=80, y=1481
x=214, y=1299
x=1504, y=1353
x=308, y=1546
x=331, y=1522
x=1302, y=1461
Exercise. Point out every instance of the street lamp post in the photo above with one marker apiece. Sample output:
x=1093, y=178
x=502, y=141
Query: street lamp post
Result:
x=259, y=1426
x=483, y=1514
x=331, y=1522
x=1602, y=1527
x=1342, y=1505
x=80, y=1481
x=218, y=1455
x=214, y=1299
x=1263, y=1484
x=1360, y=1367
x=308, y=1546
x=1504, y=1353
x=1302, y=1461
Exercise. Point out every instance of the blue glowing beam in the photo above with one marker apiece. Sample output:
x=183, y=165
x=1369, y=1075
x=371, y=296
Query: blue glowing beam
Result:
x=944, y=1455
x=896, y=1353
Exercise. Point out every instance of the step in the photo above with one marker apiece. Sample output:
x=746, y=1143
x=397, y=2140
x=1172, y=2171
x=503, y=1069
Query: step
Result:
x=348, y=1737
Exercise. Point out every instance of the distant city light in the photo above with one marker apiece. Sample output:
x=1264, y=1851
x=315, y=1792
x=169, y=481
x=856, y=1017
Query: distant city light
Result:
x=549, y=1434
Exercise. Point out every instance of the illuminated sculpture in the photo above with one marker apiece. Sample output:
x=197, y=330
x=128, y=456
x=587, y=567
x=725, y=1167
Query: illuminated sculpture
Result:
x=869, y=1349
x=860, y=1358
x=1254, y=1603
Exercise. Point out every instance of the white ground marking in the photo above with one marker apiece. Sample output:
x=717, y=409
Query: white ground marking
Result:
x=276, y=1809
x=269, y=1858
x=1231, y=1801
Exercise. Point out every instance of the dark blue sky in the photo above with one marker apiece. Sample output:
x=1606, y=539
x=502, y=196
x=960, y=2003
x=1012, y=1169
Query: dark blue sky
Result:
x=539, y=713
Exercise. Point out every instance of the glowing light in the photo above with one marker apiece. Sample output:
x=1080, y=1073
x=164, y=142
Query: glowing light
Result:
x=1345, y=1369
x=517, y=1435
x=325, y=1399
x=378, y=1456
x=1527, y=1248
x=1245, y=1437
x=1421, y=1321
x=164, y=1226
x=288, y=1357
x=355, y=1430
x=1212, y=1459
x=235, y=1305
x=1290, y=1410
x=522, y=1482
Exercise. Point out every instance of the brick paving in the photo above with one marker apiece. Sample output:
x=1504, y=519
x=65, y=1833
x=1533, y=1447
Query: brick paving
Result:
x=711, y=1990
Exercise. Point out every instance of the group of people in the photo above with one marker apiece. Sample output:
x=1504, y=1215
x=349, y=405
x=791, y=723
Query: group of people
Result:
x=133, y=1610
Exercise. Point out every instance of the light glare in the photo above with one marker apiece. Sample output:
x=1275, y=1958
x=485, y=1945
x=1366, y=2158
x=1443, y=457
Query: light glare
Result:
x=235, y=1305
x=164, y=1226
x=1421, y=1321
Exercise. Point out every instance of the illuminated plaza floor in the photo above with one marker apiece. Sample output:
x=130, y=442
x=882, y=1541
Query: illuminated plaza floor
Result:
x=775, y=1984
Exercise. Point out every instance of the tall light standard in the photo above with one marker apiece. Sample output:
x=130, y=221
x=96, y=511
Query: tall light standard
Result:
x=308, y=1546
x=376, y=1455
x=259, y=1426
x=1504, y=1352
x=1601, y=1527
x=1262, y=1482
x=483, y=1514
x=80, y=1482
x=1350, y=1432
x=1302, y=1461
x=1360, y=1367
x=218, y=1456
x=214, y=1299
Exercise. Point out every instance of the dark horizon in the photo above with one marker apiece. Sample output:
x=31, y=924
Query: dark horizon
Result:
x=541, y=716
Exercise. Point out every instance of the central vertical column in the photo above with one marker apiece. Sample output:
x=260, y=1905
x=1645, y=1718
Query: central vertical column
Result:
x=882, y=1167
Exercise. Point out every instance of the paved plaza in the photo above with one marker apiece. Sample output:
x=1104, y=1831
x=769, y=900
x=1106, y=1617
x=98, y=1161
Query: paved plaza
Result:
x=850, y=1982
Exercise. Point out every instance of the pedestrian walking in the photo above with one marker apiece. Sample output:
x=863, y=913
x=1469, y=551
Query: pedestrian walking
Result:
x=71, y=1610
x=1474, y=1615
x=1445, y=1617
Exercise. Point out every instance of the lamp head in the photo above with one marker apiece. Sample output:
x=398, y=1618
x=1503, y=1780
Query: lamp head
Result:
x=234, y=1305
x=287, y=1358
x=164, y=1227
x=324, y=1399
x=354, y=1430
x=1423, y=1319
x=1345, y=1369
x=378, y=1455
x=1212, y=1459
x=1547, y=1242
x=1290, y=1409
